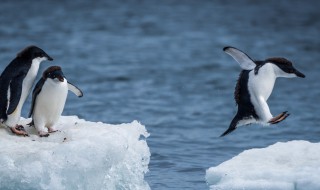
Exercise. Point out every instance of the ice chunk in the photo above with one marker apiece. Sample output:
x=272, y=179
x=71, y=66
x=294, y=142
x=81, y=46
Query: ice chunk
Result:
x=83, y=155
x=293, y=165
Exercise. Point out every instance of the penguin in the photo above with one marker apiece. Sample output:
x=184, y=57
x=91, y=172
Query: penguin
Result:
x=254, y=86
x=48, y=100
x=15, y=85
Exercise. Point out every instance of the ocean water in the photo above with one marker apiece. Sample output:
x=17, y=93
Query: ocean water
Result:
x=161, y=63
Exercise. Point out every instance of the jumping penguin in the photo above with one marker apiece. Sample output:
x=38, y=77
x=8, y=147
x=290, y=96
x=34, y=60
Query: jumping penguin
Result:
x=254, y=87
x=48, y=100
x=15, y=85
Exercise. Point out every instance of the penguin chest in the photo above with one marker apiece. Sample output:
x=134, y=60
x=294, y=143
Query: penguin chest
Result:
x=28, y=81
x=261, y=85
x=50, y=101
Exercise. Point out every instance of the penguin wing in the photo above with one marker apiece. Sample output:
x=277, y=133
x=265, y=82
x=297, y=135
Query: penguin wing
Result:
x=11, y=79
x=36, y=91
x=75, y=90
x=246, y=63
x=15, y=92
x=4, y=87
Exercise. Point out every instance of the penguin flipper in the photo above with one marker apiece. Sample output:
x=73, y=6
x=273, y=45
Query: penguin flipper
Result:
x=35, y=92
x=75, y=90
x=15, y=93
x=4, y=86
x=232, y=126
x=245, y=62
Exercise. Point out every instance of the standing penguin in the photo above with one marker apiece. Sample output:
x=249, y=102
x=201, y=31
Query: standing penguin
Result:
x=48, y=100
x=15, y=85
x=254, y=87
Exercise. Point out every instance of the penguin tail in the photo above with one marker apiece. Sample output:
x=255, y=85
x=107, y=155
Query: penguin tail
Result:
x=232, y=126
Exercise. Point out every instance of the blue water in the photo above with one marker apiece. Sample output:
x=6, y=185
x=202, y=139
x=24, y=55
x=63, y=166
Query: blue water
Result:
x=161, y=62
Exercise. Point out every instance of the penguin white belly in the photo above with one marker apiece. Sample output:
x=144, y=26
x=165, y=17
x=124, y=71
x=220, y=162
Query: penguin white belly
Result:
x=260, y=87
x=262, y=84
x=49, y=104
x=27, y=83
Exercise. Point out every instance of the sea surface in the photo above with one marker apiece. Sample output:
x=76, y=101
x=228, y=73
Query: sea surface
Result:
x=161, y=63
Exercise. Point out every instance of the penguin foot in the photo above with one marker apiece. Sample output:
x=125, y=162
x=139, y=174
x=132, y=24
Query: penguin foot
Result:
x=19, y=130
x=51, y=130
x=282, y=116
x=43, y=134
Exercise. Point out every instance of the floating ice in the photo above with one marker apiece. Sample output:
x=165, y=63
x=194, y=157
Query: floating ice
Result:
x=84, y=155
x=293, y=165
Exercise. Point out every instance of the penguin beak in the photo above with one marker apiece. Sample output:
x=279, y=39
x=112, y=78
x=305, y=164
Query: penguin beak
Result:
x=48, y=57
x=299, y=74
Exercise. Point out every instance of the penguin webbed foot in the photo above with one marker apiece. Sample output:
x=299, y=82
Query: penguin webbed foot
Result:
x=47, y=134
x=51, y=130
x=282, y=116
x=19, y=130
x=43, y=134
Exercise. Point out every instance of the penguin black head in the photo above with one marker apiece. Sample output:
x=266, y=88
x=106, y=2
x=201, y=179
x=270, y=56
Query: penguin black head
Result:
x=32, y=52
x=53, y=72
x=286, y=66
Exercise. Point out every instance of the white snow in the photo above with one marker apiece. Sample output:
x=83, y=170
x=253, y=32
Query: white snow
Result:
x=293, y=165
x=83, y=155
